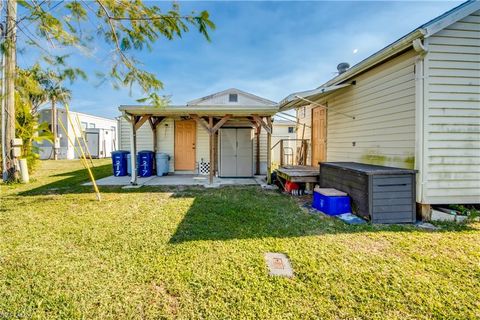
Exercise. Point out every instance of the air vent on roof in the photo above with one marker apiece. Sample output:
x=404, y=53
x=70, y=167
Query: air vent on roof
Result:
x=233, y=97
x=342, y=67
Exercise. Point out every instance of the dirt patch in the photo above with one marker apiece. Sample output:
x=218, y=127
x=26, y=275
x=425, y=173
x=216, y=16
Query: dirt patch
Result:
x=162, y=297
x=368, y=245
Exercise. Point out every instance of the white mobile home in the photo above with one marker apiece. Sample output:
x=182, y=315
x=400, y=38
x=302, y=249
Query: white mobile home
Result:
x=222, y=130
x=284, y=136
x=414, y=104
x=100, y=134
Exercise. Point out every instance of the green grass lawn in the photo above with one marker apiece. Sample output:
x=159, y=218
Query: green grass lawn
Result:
x=191, y=253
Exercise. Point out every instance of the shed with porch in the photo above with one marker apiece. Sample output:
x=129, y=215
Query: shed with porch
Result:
x=227, y=133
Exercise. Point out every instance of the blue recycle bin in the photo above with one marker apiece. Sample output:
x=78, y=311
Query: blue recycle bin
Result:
x=119, y=163
x=145, y=161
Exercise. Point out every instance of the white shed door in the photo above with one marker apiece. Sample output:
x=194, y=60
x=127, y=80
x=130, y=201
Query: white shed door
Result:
x=228, y=152
x=93, y=143
x=236, y=152
x=244, y=153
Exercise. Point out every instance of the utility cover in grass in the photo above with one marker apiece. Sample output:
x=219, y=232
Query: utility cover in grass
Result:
x=278, y=264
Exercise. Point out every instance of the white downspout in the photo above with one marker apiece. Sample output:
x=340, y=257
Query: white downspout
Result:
x=419, y=47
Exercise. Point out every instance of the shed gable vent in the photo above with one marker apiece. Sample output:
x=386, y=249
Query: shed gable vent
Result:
x=233, y=97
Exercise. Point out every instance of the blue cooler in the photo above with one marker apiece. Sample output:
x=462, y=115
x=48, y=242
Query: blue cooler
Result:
x=145, y=163
x=331, y=201
x=119, y=162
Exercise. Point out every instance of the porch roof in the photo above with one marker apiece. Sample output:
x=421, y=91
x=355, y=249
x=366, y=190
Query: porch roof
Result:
x=201, y=110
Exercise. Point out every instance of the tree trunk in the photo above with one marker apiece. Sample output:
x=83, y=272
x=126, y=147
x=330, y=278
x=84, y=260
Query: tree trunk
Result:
x=54, y=129
x=10, y=72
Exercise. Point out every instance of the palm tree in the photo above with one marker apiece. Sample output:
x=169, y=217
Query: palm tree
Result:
x=56, y=93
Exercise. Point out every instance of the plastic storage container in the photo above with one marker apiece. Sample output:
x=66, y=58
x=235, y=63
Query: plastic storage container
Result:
x=119, y=162
x=162, y=163
x=331, y=201
x=145, y=163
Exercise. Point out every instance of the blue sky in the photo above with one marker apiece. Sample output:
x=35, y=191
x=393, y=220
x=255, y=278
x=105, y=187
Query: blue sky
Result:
x=267, y=48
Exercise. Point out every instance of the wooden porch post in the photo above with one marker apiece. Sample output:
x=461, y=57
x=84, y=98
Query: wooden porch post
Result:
x=257, y=134
x=281, y=153
x=269, y=151
x=212, y=153
x=154, y=133
x=154, y=122
x=133, y=150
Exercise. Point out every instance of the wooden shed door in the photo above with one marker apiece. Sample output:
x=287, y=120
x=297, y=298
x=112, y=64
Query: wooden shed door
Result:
x=319, y=135
x=185, y=145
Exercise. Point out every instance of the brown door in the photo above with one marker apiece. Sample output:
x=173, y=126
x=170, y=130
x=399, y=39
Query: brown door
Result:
x=185, y=145
x=319, y=135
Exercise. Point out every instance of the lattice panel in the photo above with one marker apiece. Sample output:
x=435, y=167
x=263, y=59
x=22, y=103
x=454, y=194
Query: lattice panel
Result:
x=204, y=168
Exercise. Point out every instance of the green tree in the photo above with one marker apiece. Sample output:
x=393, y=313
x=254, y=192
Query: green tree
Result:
x=126, y=25
x=27, y=128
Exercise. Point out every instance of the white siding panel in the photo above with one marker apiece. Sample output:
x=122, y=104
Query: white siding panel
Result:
x=223, y=99
x=144, y=136
x=452, y=114
x=383, y=104
x=202, y=145
x=165, y=140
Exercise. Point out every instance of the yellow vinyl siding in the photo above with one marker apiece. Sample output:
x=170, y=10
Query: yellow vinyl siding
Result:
x=144, y=136
x=383, y=104
x=203, y=149
x=452, y=114
x=165, y=140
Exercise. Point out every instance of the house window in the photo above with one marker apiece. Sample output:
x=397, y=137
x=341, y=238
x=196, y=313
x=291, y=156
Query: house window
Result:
x=291, y=129
x=233, y=97
x=91, y=125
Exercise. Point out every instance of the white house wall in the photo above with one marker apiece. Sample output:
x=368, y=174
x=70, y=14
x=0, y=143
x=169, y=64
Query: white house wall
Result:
x=223, y=100
x=383, y=104
x=67, y=151
x=166, y=136
x=144, y=136
x=452, y=114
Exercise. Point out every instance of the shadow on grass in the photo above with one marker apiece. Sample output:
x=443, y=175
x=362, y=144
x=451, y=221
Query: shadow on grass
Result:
x=234, y=213
x=72, y=182
x=227, y=213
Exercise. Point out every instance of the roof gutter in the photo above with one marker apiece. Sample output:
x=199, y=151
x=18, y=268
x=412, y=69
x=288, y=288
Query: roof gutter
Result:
x=380, y=56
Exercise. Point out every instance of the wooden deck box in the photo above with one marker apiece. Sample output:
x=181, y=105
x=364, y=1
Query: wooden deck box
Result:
x=380, y=194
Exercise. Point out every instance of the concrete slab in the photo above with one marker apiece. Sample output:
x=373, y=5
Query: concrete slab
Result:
x=132, y=186
x=118, y=181
x=176, y=180
x=278, y=264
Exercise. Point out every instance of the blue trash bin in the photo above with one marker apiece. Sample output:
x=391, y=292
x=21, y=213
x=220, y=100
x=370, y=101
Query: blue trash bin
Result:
x=119, y=162
x=162, y=163
x=145, y=163
x=129, y=165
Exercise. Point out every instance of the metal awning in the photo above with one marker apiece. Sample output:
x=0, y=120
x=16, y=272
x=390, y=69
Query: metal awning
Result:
x=297, y=99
